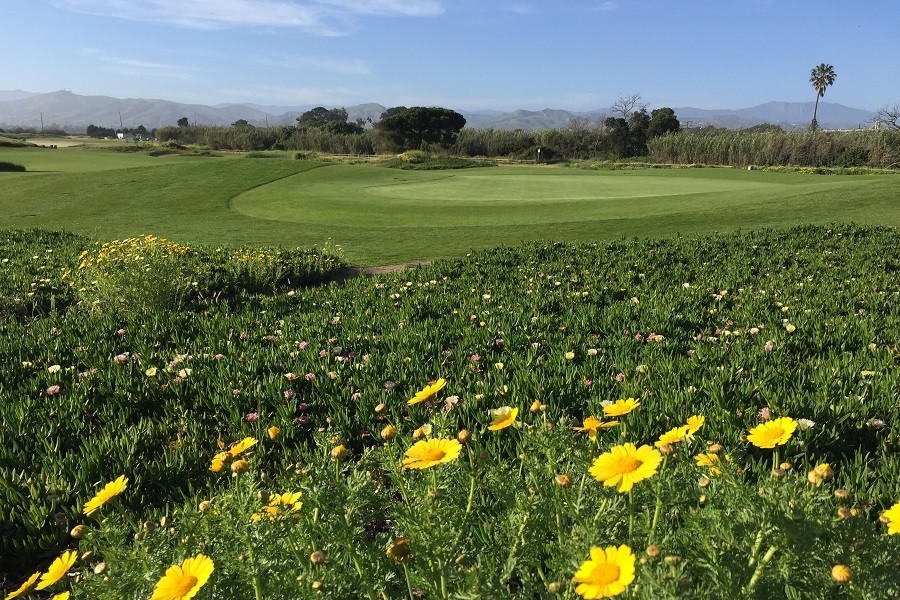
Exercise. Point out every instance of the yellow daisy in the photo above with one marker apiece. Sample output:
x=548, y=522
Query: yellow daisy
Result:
x=607, y=573
x=25, y=587
x=893, y=519
x=591, y=426
x=242, y=446
x=428, y=453
x=625, y=465
x=772, y=433
x=181, y=583
x=694, y=423
x=218, y=462
x=709, y=460
x=109, y=491
x=427, y=392
x=503, y=418
x=62, y=596
x=57, y=569
x=672, y=436
x=621, y=407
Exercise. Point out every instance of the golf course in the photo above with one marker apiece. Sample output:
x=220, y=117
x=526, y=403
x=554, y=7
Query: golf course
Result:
x=383, y=215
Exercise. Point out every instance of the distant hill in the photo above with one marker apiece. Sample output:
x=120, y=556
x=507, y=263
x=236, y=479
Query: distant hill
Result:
x=74, y=113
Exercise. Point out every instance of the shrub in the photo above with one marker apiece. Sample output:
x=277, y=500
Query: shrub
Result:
x=9, y=166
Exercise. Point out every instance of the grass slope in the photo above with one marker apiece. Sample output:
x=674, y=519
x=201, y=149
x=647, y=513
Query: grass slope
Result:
x=385, y=215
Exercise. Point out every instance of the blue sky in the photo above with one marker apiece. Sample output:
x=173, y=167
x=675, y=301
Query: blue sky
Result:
x=463, y=54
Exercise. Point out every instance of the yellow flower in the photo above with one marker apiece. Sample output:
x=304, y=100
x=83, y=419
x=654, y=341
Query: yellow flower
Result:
x=273, y=432
x=625, y=465
x=183, y=582
x=400, y=551
x=242, y=446
x=621, y=407
x=428, y=453
x=841, y=573
x=709, y=460
x=428, y=391
x=672, y=436
x=290, y=500
x=772, y=433
x=151, y=372
x=62, y=596
x=592, y=424
x=694, y=423
x=109, y=491
x=503, y=418
x=218, y=462
x=25, y=587
x=57, y=570
x=607, y=573
x=892, y=516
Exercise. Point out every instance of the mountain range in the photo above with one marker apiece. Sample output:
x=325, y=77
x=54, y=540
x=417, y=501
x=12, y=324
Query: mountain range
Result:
x=74, y=113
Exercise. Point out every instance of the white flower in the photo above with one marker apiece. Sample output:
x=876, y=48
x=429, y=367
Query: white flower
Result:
x=54, y=369
x=805, y=424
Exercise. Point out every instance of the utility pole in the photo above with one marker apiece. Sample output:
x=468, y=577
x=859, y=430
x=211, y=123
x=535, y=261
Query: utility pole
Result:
x=42, y=122
x=121, y=126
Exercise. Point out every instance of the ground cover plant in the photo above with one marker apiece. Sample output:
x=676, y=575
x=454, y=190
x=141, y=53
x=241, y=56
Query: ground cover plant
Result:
x=384, y=216
x=449, y=432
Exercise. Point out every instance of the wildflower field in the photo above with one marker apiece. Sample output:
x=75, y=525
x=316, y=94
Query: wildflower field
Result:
x=713, y=417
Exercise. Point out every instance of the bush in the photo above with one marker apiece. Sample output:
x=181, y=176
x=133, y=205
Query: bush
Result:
x=9, y=166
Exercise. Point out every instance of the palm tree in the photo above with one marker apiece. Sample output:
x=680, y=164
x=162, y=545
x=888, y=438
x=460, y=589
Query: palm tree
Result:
x=820, y=78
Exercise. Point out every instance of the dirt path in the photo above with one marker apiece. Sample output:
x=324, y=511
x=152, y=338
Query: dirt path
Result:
x=349, y=273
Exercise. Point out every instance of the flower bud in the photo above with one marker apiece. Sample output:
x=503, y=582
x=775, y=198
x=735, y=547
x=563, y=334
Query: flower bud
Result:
x=672, y=560
x=715, y=448
x=388, y=433
x=274, y=432
x=841, y=573
x=339, y=452
x=463, y=436
x=653, y=550
x=204, y=506
x=239, y=466
x=841, y=494
x=78, y=531
x=563, y=480
x=318, y=557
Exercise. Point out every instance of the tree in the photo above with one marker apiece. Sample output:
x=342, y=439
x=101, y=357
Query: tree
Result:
x=616, y=129
x=888, y=116
x=820, y=77
x=241, y=123
x=627, y=104
x=411, y=128
x=183, y=122
x=320, y=115
x=663, y=121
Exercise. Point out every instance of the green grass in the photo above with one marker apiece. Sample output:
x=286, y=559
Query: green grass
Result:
x=383, y=215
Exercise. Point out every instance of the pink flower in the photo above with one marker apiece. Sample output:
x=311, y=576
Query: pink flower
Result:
x=245, y=336
x=120, y=358
x=620, y=377
x=475, y=358
x=120, y=332
x=219, y=356
x=764, y=414
x=303, y=345
x=638, y=337
x=770, y=345
x=588, y=382
x=355, y=396
x=310, y=376
x=323, y=353
x=288, y=393
x=53, y=390
x=252, y=417
x=235, y=392
x=291, y=376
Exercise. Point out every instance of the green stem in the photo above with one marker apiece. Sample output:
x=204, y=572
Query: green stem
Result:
x=658, y=507
x=630, y=514
x=408, y=583
x=759, y=569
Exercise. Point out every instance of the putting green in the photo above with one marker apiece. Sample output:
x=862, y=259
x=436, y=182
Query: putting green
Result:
x=375, y=197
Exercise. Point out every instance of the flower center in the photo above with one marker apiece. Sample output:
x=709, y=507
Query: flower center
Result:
x=775, y=433
x=628, y=465
x=433, y=454
x=604, y=574
x=184, y=585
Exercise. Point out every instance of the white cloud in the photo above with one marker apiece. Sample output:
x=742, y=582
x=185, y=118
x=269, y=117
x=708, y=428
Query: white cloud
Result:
x=137, y=67
x=519, y=8
x=320, y=17
x=606, y=6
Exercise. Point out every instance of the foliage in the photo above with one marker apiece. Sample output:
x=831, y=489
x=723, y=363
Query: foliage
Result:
x=663, y=121
x=11, y=166
x=415, y=127
x=417, y=160
x=873, y=148
x=801, y=323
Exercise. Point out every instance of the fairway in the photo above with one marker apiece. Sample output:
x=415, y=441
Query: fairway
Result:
x=380, y=216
